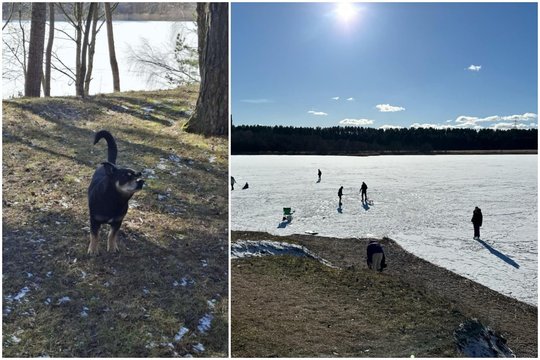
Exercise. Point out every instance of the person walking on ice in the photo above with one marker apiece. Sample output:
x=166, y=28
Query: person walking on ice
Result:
x=477, y=222
x=363, y=191
x=233, y=181
x=340, y=194
x=319, y=172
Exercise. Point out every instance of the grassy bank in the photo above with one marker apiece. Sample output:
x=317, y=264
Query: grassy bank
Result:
x=171, y=271
x=286, y=307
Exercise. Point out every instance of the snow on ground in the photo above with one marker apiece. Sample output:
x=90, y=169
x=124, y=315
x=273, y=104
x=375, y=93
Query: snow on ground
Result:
x=424, y=203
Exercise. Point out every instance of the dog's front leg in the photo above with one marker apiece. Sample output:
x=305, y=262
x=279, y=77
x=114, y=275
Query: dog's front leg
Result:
x=94, y=237
x=112, y=245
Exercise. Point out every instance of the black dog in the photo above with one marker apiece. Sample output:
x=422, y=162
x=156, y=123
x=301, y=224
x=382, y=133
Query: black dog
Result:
x=109, y=194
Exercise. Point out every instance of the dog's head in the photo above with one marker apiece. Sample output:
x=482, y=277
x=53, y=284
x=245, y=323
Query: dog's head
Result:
x=126, y=181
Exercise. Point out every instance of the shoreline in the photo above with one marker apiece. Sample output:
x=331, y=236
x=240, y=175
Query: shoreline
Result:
x=515, y=320
x=404, y=152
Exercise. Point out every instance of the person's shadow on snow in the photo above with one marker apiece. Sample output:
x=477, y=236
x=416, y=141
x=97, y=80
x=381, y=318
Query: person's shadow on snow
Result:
x=365, y=205
x=499, y=254
x=283, y=224
x=340, y=209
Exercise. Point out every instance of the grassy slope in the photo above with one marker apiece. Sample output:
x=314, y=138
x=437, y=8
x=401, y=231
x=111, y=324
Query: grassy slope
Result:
x=176, y=229
x=284, y=306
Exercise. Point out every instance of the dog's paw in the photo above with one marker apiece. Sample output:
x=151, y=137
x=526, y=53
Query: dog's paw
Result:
x=92, y=250
x=113, y=247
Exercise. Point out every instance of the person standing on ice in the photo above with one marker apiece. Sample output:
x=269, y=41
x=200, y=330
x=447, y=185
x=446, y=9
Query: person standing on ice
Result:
x=477, y=222
x=340, y=194
x=363, y=191
x=375, y=256
x=319, y=172
x=233, y=181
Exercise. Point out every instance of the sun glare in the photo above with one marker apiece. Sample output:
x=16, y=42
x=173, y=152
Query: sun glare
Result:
x=345, y=11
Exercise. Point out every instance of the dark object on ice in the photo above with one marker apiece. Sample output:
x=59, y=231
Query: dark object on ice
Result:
x=476, y=340
x=287, y=214
x=375, y=256
x=319, y=172
x=233, y=181
x=246, y=186
x=477, y=222
x=340, y=194
x=363, y=191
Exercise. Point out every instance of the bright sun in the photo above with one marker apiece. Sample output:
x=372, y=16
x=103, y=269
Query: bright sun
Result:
x=345, y=11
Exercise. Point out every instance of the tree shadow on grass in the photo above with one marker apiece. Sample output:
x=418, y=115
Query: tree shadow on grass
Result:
x=115, y=304
x=499, y=254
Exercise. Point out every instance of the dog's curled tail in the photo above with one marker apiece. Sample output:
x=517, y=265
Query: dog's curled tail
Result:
x=112, y=150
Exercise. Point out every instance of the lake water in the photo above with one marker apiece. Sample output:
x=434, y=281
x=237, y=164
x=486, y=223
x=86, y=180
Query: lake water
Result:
x=424, y=203
x=128, y=34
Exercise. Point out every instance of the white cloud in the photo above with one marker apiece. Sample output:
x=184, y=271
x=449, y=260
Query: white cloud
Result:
x=389, y=108
x=474, y=68
x=433, y=126
x=350, y=99
x=318, y=113
x=386, y=127
x=335, y=98
x=257, y=101
x=493, y=122
x=467, y=121
x=356, y=122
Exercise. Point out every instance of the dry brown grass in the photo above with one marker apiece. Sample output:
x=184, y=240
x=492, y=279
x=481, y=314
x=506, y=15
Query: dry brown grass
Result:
x=286, y=307
x=176, y=229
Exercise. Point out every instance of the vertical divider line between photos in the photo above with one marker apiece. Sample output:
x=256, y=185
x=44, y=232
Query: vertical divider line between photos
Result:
x=227, y=184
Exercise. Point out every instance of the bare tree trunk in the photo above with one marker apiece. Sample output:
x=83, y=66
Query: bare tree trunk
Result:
x=91, y=51
x=35, y=50
x=78, y=49
x=84, y=50
x=112, y=53
x=48, y=53
x=212, y=110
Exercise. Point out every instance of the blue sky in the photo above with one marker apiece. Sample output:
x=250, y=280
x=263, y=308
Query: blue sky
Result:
x=469, y=65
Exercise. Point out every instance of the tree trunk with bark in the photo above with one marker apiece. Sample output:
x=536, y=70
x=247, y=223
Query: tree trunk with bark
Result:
x=48, y=53
x=34, y=71
x=212, y=109
x=84, y=50
x=112, y=53
x=91, y=51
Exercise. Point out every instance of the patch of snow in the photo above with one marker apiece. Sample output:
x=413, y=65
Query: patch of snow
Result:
x=212, y=159
x=198, y=347
x=49, y=274
x=211, y=303
x=25, y=290
x=84, y=312
x=204, y=263
x=424, y=203
x=14, y=339
x=145, y=291
x=205, y=323
x=249, y=248
x=183, y=331
x=47, y=301
x=63, y=300
x=185, y=281
x=175, y=158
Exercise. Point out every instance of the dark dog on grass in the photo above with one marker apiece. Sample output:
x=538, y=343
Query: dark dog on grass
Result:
x=109, y=194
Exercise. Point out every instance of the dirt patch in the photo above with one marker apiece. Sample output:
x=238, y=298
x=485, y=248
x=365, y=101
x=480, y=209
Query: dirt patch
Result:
x=165, y=293
x=407, y=281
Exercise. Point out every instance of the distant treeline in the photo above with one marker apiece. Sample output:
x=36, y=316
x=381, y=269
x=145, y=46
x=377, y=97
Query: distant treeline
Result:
x=164, y=11
x=248, y=139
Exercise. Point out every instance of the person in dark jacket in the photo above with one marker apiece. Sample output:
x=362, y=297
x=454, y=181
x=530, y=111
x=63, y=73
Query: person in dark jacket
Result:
x=233, y=181
x=319, y=172
x=375, y=256
x=340, y=194
x=477, y=222
x=246, y=186
x=363, y=190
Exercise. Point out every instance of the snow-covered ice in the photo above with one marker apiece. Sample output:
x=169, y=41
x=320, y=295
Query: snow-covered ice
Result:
x=424, y=203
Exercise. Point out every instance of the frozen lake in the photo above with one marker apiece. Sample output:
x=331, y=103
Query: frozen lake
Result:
x=127, y=34
x=424, y=203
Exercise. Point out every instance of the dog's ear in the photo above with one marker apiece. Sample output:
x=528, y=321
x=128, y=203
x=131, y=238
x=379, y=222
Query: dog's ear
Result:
x=110, y=168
